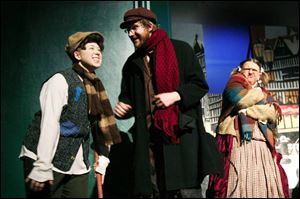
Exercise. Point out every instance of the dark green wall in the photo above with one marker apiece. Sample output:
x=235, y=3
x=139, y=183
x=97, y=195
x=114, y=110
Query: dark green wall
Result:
x=33, y=36
x=162, y=10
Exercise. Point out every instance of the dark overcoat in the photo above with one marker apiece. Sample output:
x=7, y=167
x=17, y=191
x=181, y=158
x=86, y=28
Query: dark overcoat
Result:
x=183, y=162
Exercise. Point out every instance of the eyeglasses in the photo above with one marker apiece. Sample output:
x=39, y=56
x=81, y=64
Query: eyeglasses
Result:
x=249, y=69
x=134, y=28
x=127, y=31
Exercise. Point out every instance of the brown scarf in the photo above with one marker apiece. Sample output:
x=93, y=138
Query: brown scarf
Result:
x=99, y=107
x=167, y=80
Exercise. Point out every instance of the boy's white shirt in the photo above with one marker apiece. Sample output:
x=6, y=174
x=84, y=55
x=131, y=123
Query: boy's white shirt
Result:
x=102, y=164
x=53, y=96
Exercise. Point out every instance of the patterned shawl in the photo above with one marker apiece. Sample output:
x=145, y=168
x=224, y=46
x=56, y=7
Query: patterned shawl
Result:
x=236, y=88
x=167, y=80
x=106, y=132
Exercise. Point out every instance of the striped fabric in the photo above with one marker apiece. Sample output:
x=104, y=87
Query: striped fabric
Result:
x=263, y=180
x=99, y=107
x=252, y=166
x=236, y=88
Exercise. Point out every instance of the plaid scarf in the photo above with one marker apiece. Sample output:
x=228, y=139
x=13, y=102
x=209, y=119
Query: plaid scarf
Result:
x=234, y=91
x=99, y=108
x=167, y=80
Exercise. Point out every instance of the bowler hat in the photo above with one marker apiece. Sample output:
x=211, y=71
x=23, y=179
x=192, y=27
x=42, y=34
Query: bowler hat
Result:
x=75, y=39
x=136, y=14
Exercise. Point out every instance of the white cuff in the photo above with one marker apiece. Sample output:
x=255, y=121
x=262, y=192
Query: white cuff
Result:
x=102, y=164
x=244, y=111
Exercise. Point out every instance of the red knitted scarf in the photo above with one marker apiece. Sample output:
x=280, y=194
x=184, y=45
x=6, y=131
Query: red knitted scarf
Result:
x=167, y=80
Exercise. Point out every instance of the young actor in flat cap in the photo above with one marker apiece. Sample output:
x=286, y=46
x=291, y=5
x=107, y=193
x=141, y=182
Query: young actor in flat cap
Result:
x=162, y=85
x=73, y=103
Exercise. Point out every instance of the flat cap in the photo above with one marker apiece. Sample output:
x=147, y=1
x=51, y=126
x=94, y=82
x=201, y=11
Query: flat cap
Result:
x=75, y=39
x=136, y=14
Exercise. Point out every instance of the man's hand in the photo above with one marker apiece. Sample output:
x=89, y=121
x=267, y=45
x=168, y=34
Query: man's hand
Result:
x=164, y=100
x=121, y=109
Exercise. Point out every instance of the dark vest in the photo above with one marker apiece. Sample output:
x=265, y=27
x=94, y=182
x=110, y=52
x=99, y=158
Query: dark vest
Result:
x=74, y=126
